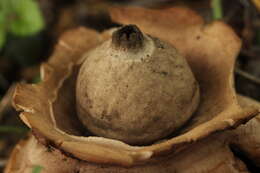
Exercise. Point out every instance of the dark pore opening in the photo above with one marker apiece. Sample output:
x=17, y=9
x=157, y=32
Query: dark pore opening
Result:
x=128, y=37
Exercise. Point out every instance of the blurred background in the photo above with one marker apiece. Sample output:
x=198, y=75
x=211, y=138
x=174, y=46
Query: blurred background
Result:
x=29, y=30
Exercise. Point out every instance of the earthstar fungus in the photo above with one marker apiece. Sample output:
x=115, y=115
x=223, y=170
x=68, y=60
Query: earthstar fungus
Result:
x=49, y=108
x=135, y=88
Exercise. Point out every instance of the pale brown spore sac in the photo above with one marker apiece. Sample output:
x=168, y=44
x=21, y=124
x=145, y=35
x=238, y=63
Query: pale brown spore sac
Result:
x=135, y=88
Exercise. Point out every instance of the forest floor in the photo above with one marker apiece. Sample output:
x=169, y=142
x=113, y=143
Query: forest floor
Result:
x=21, y=56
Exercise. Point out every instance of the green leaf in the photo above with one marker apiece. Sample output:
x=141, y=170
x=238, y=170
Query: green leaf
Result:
x=26, y=17
x=2, y=38
x=37, y=169
x=12, y=129
x=216, y=6
x=2, y=29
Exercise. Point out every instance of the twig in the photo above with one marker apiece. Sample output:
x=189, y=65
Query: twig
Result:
x=247, y=76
